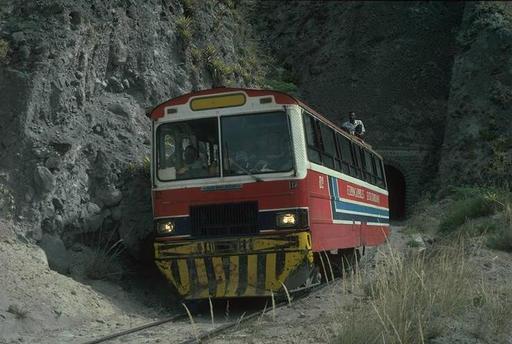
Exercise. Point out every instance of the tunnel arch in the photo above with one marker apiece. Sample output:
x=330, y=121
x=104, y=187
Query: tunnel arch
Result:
x=397, y=192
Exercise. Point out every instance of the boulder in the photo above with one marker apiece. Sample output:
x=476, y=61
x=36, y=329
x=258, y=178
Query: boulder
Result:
x=56, y=253
x=53, y=162
x=120, y=109
x=109, y=197
x=44, y=180
x=93, y=208
x=120, y=54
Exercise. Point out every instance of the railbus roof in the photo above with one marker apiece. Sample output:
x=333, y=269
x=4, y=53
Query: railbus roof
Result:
x=280, y=98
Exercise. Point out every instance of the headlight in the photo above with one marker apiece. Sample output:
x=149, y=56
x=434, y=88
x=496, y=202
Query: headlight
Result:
x=166, y=227
x=286, y=220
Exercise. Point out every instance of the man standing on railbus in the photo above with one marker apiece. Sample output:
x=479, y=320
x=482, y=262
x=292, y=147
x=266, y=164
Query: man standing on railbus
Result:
x=354, y=126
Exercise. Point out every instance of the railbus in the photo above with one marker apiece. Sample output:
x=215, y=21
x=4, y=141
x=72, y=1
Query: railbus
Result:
x=250, y=186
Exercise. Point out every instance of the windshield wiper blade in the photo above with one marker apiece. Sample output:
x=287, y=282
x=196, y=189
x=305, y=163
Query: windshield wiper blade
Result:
x=231, y=161
x=256, y=178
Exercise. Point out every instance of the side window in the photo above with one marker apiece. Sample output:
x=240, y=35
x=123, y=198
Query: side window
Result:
x=312, y=139
x=358, y=162
x=329, y=146
x=381, y=181
x=346, y=154
x=368, y=168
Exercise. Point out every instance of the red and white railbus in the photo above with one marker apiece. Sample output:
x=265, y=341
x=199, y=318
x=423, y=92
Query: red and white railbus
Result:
x=250, y=186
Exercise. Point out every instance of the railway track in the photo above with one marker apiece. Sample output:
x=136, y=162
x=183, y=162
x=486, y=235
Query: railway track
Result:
x=217, y=330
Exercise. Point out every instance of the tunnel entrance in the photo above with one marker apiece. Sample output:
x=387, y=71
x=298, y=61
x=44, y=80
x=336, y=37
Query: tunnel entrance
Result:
x=396, y=189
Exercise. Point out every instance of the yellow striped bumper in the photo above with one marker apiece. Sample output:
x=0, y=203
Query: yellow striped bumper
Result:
x=236, y=267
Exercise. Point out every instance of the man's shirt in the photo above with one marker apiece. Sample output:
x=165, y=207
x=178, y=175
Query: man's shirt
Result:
x=351, y=127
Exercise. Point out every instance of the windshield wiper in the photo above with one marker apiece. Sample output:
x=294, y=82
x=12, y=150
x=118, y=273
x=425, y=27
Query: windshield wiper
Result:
x=231, y=161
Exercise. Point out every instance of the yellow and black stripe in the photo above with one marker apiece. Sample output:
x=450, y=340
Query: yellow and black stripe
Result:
x=237, y=267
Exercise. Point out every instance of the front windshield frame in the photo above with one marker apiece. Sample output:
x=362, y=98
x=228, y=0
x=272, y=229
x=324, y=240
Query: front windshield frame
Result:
x=248, y=171
x=221, y=169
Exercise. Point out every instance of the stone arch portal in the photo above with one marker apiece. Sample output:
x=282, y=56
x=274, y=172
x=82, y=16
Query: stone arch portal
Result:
x=404, y=167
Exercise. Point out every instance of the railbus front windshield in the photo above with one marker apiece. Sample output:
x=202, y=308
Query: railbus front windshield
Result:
x=251, y=144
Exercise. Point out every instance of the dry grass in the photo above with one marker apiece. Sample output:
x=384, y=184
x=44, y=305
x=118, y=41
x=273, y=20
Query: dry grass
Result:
x=412, y=299
x=195, y=330
x=104, y=263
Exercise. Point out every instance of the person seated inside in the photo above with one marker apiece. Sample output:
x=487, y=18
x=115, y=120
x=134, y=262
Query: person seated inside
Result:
x=354, y=126
x=193, y=166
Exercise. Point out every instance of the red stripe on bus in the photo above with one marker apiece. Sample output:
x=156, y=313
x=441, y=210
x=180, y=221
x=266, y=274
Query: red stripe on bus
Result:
x=269, y=194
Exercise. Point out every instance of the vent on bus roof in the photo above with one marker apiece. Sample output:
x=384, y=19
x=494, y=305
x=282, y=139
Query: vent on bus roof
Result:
x=170, y=111
x=229, y=219
x=266, y=100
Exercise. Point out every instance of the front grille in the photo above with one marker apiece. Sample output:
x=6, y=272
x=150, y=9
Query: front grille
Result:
x=227, y=219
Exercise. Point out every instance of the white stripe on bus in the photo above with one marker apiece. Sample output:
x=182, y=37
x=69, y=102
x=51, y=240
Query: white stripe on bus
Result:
x=361, y=213
x=346, y=222
x=347, y=200
x=278, y=209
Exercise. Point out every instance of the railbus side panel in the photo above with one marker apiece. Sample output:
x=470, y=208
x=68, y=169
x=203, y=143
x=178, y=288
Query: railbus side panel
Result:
x=345, y=214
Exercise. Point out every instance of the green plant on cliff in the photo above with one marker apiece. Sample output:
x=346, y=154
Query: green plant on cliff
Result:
x=470, y=203
x=146, y=165
x=4, y=50
x=501, y=238
x=220, y=70
x=478, y=211
x=281, y=79
x=282, y=86
x=185, y=29
x=196, y=55
x=500, y=162
x=209, y=53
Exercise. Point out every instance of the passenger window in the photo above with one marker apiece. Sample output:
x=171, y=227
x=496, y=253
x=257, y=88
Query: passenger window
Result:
x=310, y=130
x=332, y=149
x=329, y=146
x=368, y=161
x=328, y=140
x=377, y=167
x=346, y=155
x=312, y=139
x=380, y=172
x=357, y=161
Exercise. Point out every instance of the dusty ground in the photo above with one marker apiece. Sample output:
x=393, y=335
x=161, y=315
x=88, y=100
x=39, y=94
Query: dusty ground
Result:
x=40, y=305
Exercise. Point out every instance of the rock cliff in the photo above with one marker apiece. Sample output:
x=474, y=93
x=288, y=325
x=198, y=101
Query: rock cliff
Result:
x=77, y=76
x=477, y=146
x=75, y=79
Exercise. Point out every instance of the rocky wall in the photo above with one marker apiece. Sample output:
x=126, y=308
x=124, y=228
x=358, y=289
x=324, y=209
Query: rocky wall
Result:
x=477, y=144
x=75, y=80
